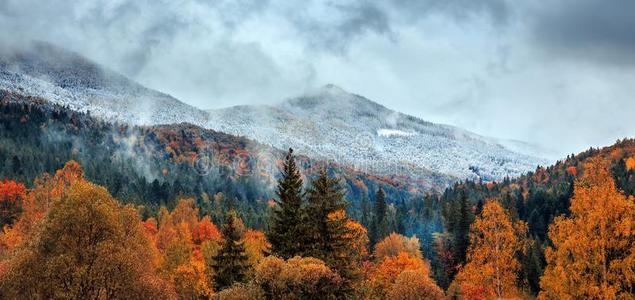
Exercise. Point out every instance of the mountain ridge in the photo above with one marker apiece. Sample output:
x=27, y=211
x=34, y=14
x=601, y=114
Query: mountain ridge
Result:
x=327, y=124
x=325, y=121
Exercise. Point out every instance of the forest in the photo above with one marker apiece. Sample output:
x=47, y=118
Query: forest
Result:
x=84, y=219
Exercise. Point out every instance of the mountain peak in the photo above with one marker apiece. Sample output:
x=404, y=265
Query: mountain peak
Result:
x=42, y=69
x=332, y=88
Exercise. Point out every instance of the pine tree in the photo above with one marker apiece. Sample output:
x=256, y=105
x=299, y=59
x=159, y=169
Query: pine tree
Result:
x=286, y=230
x=402, y=214
x=462, y=230
x=324, y=198
x=230, y=264
x=379, y=225
x=365, y=211
x=329, y=235
x=532, y=261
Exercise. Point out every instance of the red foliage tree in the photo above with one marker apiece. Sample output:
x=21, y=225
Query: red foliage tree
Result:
x=11, y=195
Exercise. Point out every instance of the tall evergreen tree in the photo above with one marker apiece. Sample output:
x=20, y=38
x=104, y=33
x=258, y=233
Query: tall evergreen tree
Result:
x=329, y=235
x=365, y=211
x=286, y=232
x=230, y=264
x=379, y=225
x=532, y=262
x=402, y=214
x=462, y=230
x=324, y=198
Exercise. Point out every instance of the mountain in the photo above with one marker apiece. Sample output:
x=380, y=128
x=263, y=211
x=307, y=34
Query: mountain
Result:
x=155, y=165
x=66, y=78
x=333, y=124
x=329, y=124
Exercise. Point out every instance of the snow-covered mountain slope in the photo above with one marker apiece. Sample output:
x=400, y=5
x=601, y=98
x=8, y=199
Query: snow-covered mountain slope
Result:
x=336, y=125
x=63, y=77
x=329, y=124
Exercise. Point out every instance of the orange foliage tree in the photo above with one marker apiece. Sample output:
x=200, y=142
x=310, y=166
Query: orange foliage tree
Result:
x=297, y=278
x=593, y=253
x=87, y=246
x=256, y=246
x=491, y=268
x=396, y=243
x=414, y=285
x=180, y=237
x=37, y=203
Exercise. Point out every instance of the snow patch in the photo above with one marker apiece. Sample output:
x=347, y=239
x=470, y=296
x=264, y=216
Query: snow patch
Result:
x=383, y=132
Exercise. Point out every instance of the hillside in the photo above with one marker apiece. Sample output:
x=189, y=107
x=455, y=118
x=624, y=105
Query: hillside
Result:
x=537, y=198
x=333, y=124
x=329, y=124
x=153, y=165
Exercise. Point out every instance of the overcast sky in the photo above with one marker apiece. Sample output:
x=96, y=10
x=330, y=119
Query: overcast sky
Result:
x=559, y=73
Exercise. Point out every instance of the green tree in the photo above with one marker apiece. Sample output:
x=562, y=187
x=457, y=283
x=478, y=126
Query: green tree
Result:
x=286, y=232
x=331, y=237
x=231, y=261
x=379, y=225
x=462, y=230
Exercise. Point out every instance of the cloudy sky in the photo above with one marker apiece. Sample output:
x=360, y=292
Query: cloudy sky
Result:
x=558, y=73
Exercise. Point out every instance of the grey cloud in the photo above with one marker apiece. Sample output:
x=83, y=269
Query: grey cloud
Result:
x=470, y=63
x=461, y=10
x=599, y=30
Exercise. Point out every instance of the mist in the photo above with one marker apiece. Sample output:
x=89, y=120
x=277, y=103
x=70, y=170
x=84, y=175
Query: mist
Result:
x=554, y=73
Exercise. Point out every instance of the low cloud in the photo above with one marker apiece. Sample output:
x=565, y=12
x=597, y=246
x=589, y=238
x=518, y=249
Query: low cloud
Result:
x=557, y=73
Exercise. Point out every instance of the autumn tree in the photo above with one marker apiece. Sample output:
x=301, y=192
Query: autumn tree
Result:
x=396, y=243
x=88, y=247
x=593, y=252
x=286, y=232
x=414, y=285
x=492, y=267
x=297, y=278
x=256, y=247
x=230, y=263
x=11, y=196
x=205, y=230
x=385, y=279
x=190, y=281
x=47, y=189
x=241, y=291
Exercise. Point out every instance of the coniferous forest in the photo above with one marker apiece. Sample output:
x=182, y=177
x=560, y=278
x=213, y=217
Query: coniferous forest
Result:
x=95, y=210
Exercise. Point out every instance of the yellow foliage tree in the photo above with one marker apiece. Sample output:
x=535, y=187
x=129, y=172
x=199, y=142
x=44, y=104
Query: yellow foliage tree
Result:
x=256, y=246
x=87, y=246
x=297, y=278
x=593, y=253
x=414, y=285
x=491, y=268
x=396, y=243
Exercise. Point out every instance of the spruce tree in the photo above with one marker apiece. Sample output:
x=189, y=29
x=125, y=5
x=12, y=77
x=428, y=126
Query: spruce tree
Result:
x=329, y=236
x=365, y=211
x=462, y=230
x=402, y=215
x=230, y=264
x=286, y=231
x=324, y=198
x=379, y=225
